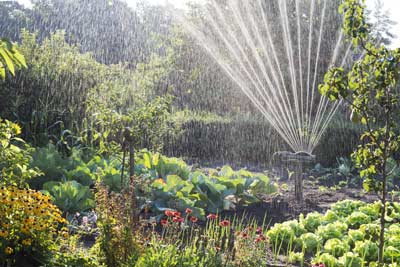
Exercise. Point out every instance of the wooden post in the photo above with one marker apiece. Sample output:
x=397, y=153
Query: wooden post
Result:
x=298, y=181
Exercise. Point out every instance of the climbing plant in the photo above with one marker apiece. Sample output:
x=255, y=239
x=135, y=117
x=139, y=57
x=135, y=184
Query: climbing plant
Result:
x=371, y=90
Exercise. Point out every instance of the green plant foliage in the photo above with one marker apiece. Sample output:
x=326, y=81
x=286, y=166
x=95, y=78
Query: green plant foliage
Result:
x=350, y=240
x=70, y=196
x=14, y=156
x=371, y=90
x=175, y=185
x=311, y=242
x=10, y=58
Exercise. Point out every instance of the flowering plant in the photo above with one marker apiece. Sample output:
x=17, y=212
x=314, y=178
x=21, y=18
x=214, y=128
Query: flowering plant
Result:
x=30, y=225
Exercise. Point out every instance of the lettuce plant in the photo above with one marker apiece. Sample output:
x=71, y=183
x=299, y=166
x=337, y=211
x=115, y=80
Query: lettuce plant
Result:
x=336, y=247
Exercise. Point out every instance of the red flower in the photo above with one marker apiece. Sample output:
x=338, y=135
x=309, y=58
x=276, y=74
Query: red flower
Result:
x=257, y=240
x=176, y=214
x=212, y=216
x=188, y=211
x=177, y=219
x=259, y=230
x=164, y=222
x=225, y=223
x=260, y=238
x=245, y=235
x=193, y=219
x=169, y=213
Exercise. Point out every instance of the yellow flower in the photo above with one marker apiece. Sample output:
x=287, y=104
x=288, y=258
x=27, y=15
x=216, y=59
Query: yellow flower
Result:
x=8, y=250
x=27, y=242
x=3, y=233
x=25, y=230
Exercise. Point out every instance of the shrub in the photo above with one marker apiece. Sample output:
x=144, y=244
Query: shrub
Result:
x=14, y=159
x=120, y=241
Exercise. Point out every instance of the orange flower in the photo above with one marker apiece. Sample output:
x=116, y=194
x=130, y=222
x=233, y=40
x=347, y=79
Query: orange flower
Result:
x=169, y=213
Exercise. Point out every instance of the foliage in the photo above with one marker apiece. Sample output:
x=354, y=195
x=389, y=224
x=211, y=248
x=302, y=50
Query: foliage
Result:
x=351, y=239
x=174, y=185
x=14, y=156
x=120, y=239
x=220, y=243
x=30, y=226
x=10, y=58
x=69, y=196
x=79, y=96
x=371, y=89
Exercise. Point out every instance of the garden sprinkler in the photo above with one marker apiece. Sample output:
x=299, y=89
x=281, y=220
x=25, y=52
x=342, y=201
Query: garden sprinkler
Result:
x=296, y=161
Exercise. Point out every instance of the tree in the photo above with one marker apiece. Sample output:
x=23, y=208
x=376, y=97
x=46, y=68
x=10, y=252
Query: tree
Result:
x=10, y=58
x=382, y=24
x=371, y=89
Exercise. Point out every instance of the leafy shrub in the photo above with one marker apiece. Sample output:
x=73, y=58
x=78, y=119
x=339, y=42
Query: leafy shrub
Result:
x=14, y=159
x=120, y=242
x=30, y=225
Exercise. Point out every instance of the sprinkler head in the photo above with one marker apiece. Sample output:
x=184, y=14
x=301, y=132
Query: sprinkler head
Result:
x=300, y=156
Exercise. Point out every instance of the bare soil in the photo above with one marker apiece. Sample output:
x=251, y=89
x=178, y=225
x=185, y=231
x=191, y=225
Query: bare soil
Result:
x=283, y=206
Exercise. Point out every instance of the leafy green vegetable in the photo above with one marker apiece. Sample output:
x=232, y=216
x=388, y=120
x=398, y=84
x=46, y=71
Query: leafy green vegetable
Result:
x=70, y=196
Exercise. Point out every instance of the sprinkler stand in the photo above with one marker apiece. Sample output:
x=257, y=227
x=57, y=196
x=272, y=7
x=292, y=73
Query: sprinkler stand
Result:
x=297, y=161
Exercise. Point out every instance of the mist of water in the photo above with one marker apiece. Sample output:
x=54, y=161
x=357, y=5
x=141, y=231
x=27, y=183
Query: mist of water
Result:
x=277, y=52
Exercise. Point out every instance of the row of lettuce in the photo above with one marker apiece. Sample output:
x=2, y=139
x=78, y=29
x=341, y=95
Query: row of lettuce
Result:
x=345, y=236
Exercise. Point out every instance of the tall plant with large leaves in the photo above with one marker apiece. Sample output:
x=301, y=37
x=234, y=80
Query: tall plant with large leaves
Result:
x=10, y=58
x=371, y=89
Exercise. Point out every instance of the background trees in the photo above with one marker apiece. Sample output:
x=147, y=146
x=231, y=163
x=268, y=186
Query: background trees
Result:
x=84, y=53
